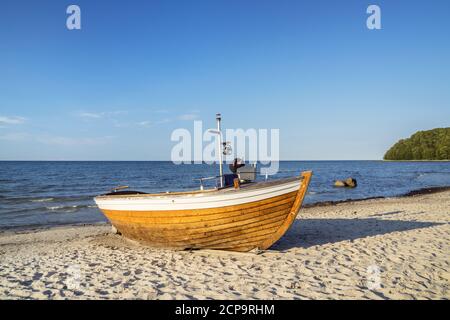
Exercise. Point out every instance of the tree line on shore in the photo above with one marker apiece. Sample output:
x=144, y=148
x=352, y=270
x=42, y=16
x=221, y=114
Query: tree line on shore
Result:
x=423, y=145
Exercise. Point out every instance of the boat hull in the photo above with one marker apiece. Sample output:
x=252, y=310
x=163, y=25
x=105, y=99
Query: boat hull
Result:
x=236, y=220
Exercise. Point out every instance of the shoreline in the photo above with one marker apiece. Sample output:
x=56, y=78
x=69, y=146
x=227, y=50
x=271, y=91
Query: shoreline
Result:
x=330, y=252
x=412, y=193
x=384, y=160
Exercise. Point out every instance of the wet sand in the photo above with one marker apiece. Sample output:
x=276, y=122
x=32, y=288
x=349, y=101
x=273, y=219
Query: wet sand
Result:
x=393, y=248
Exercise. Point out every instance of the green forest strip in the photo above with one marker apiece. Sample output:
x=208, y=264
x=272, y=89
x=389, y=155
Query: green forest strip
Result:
x=422, y=145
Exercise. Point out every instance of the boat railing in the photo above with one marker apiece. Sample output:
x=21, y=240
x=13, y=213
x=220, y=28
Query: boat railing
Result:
x=205, y=179
x=218, y=185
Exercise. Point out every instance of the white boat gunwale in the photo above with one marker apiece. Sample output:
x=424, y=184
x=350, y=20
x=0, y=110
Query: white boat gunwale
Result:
x=187, y=201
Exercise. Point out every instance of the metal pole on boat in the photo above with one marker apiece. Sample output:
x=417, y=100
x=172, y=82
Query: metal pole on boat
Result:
x=219, y=148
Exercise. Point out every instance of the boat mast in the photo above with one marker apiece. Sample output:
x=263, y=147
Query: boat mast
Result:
x=219, y=148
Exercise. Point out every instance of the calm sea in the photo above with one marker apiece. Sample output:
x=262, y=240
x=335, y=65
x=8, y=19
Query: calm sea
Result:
x=34, y=194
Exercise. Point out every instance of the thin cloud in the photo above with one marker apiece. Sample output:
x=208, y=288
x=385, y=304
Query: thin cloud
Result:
x=15, y=136
x=162, y=121
x=152, y=123
x=11, y=120
x=90, y=115
x=55, y=140
x=69, y=141
x=99, y=115
x=162, y=111
x=145, y=123
x=188, y=117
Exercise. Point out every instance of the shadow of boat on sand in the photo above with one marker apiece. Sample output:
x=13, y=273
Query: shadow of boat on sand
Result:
x=305, y=233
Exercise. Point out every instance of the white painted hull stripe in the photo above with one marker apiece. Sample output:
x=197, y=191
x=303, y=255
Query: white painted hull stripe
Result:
x=197, y=201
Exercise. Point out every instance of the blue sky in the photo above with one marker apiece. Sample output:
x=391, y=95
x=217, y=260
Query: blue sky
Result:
x=137, y=70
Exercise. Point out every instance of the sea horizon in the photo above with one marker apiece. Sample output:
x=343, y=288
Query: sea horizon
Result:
x=314, y=160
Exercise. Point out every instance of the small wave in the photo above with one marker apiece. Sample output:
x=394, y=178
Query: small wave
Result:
x=321, y=192
x=42, y=200
x=69, y=208
x=423, y=174
x=49, y=198
x=60, y=207
x=48, y=209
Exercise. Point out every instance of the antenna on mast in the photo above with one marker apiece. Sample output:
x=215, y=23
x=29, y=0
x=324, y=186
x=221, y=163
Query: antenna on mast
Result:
x=219, y=148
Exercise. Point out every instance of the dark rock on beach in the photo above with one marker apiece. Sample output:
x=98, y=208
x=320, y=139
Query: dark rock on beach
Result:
x=349, y=183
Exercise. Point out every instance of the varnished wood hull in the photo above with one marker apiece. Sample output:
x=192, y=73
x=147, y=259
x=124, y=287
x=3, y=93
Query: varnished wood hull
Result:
x=209, y=222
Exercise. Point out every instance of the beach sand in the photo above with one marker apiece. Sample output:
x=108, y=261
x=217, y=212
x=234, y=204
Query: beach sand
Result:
x=395, y=248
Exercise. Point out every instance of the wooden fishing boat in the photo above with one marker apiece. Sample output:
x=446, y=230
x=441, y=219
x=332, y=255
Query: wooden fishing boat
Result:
x=252, y=216
x=232, y=216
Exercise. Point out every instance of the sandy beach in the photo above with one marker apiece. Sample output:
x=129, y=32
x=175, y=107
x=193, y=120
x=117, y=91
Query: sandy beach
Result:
x=393, y=248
